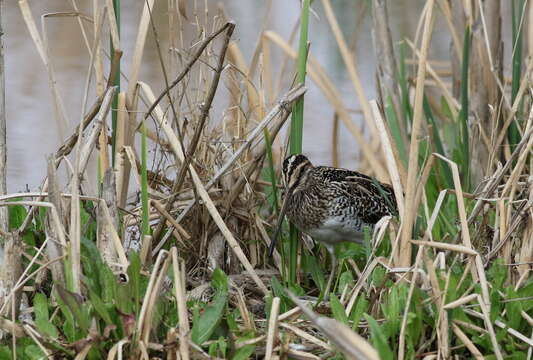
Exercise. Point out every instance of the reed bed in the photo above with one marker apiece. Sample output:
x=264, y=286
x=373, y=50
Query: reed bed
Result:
x=167, y=258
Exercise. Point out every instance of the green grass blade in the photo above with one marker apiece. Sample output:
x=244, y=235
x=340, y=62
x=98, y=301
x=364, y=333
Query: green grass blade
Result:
x=394, y=126
x=444, y=169
x=404, y=87
x=463, y=115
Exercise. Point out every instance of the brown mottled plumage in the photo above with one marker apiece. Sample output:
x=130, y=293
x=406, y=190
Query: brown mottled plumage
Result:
x=330, y=204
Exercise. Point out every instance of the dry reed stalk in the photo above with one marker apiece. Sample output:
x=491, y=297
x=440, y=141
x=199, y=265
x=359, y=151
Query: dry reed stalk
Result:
x=443, y=329
x=268, y=74
x=445, y=246
x=461, y=301
x=82, y=158
x=109, y=200
x=178, y=269
x=13, y=328
x=351, y=66
x=478, y=272
x=335, y=141
x=526, y=251
x=54, y=248
x=11, y=273
x=142, y=324
x=98, y=62
x=386, y=61
x=468, y=343
x=138, y=53
x=272, y=328
x=431, y=223
x=391, y=156
x=367, y=271
x=42, y=49
x=154, y=295
x=305, y=335
x=103, y=153
x=109, y=221
x=122, y=167
x=4, y=219
x=412, y=173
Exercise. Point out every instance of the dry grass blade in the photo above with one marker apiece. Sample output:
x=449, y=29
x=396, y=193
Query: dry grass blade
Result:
x=446, y=246
x=272, y=328
x=138, y=52
x=32, y=28
x=351, y=344
x=410, y=192
x=468, y=343
x=390, y=157
x=350, y=64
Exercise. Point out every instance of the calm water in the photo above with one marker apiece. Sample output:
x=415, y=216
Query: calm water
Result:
x=33, y=132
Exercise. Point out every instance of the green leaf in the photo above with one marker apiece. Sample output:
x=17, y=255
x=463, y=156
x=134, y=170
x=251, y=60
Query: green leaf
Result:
x=77, y=309
x=17, y=214
x=34, y=352
x=100, y=307
x=316, y=272
x=346, y=279
x=42, y=320
x=5, y=352
x=339, y=313
x=360, y=307
x=208, y=321
x=134, y=274
x=379, y=340
x=244, y=352
x=395, y=129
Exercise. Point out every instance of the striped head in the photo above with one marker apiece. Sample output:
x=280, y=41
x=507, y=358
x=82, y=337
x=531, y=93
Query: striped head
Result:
x=295, y=171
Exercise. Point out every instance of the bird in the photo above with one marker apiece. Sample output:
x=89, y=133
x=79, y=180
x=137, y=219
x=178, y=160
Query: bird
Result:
x=331, y=205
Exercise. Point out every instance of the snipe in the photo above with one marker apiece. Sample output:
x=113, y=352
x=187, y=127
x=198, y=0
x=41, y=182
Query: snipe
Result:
x=331, y=205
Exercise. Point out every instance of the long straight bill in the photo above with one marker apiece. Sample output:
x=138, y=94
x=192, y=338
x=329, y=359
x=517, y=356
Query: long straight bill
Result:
x=278, y=224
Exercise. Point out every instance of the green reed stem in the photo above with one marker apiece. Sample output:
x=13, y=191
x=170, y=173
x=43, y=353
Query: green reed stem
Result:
x=297, y=122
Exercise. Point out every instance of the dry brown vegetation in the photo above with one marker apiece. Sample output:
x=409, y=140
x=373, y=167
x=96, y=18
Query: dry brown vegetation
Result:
x=168, y=257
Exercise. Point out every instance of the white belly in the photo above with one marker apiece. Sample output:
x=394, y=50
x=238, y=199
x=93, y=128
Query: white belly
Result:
x=335, y=230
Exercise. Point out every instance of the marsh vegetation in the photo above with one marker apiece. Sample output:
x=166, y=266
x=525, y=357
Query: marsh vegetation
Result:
x=162, y=251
